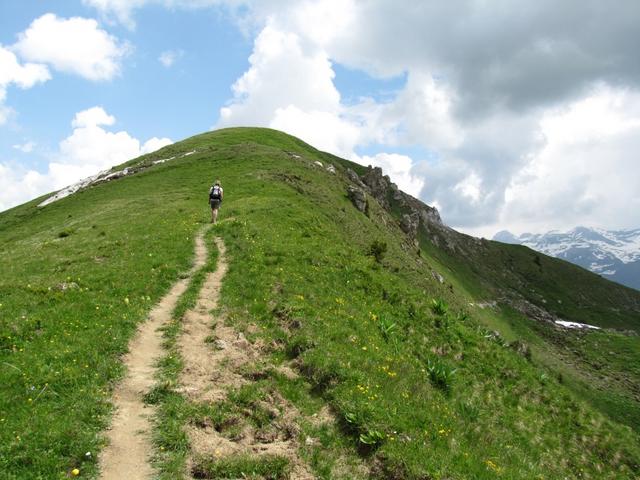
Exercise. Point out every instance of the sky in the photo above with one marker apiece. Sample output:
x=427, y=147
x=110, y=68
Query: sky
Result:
x=503, y=115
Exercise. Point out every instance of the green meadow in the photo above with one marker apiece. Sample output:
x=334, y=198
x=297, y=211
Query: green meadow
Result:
x=418, y=382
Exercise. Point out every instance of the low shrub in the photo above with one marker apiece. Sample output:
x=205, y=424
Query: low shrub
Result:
x=377, y=250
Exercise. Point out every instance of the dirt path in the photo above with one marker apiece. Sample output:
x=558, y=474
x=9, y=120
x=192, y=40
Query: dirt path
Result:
x=129, y=449
x=213, y=356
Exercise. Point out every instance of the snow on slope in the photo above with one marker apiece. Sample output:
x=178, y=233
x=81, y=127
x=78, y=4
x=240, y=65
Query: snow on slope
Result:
x=614, y=254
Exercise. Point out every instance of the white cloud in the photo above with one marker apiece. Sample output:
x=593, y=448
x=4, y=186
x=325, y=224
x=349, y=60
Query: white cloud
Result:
x=92, y=117
x=502, y=99
x=325, y=131
x=26, y=147
x=74, y=45
x=587, y=173
x=154, y=144
x=18, y=185
x=281, y=74
x=22, y=75
x=169, y=57
x=86, y=151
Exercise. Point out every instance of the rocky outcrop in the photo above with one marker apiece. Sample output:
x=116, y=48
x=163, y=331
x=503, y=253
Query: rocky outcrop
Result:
x=409, y=223
x=378, y=184
x=357, y=197
x=355, y=178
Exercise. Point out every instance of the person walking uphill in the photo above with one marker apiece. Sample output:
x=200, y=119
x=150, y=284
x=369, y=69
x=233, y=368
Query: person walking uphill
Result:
x=216, y=194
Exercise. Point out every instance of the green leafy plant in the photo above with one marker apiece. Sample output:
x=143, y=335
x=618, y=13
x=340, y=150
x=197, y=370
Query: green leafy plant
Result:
x=387, y=327
x=440, y=374
x=439, y=307
x=371, y=437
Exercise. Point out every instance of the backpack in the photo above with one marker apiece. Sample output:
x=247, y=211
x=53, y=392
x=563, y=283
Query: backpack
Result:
x=215, y=193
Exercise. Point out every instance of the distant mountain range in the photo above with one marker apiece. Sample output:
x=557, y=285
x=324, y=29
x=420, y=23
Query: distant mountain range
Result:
x=613, y=254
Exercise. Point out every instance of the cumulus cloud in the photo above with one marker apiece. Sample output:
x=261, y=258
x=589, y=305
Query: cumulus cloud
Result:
x=154, y=144
x=12, y=72
x=482, y=93
x=92, y=117
x=587, y=172
x=281, y=74
x=88, y=150
x=488, y=89
x=74, y=45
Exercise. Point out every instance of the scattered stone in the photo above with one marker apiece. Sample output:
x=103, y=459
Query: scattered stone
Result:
x=67, y=286
x=318, y=163
x=331, y=169
x=436, y=276
x=220, y=344
x=521, y=348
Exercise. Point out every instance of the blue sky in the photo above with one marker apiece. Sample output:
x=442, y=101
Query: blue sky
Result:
x=522, y=117
x=147, y=99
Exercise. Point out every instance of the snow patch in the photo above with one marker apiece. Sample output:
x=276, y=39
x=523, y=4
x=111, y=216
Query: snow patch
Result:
x=103, y=176
x=65, y=192
x=162, y=160
x=566, y=324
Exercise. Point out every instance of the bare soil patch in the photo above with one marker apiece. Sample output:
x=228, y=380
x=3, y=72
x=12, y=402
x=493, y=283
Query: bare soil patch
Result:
x=213, y=356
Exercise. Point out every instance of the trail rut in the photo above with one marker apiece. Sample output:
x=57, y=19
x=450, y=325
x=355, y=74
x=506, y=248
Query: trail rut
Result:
x=127, y=454
x=213, y=356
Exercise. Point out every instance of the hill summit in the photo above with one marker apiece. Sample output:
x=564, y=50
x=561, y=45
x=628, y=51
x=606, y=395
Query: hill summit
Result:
x=331, y=327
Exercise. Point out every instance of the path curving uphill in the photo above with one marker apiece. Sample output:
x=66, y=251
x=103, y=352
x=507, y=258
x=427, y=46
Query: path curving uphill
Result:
x=129, y=449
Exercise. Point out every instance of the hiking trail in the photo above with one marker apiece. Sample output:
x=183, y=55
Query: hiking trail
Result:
x=209, y=372
x=211, y=369
x=129, y=438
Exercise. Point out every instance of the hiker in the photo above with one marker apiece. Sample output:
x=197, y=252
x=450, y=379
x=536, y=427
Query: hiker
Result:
x=215, y=199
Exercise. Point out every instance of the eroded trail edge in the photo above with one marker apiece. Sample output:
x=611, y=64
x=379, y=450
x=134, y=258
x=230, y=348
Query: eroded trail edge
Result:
x=128, y=452
x=214, y=355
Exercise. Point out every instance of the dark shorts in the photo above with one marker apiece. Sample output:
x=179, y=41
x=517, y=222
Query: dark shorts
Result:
x=215, y=204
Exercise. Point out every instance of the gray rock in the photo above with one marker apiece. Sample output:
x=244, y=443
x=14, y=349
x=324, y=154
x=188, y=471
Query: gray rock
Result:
x=378, y=184
x=410, y=223
x=436, y=276
x=67, y=286
x=355, y=178
x=357, y=197
x=331, y=169
x=220, y=344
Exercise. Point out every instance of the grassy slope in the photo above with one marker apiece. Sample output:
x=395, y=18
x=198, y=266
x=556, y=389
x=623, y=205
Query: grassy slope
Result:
x=297, y=251
x=598, y=366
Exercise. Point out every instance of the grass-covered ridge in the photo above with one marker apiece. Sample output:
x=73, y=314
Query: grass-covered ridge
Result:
x=418, y=389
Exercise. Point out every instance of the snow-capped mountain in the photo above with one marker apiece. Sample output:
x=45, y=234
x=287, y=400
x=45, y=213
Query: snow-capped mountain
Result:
x=614, y=254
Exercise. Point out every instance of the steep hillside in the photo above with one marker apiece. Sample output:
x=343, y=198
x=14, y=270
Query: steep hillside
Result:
x=371, y=326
